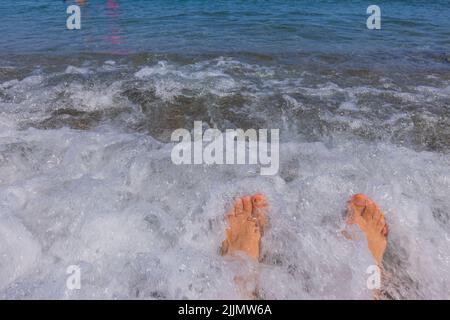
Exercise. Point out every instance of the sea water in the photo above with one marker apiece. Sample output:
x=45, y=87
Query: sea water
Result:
x=86, y=177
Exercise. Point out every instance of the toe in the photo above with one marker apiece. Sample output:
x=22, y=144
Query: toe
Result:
x=260, y=206
x=247, y=204
x=355, y=207
x=259, y=200
x=385, y=230
x=359, y=200
x=370, y=211
x=381, y=222
x=238, y=207
x=376, y=214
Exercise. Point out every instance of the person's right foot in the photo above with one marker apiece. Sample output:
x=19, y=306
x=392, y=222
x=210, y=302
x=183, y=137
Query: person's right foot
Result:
x=368, y=216
x=247, y=222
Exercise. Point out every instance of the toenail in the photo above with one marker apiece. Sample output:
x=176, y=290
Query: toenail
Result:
x=258, y=198
x=359, y=199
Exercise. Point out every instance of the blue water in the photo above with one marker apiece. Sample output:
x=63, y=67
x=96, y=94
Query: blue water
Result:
x=225, y=26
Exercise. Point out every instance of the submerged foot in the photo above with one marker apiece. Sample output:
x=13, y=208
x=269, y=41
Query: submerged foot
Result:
x=364, y=212
x=247, y=222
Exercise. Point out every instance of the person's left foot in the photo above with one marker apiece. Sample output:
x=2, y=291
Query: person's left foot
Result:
x=364, y=212
x=247, y=222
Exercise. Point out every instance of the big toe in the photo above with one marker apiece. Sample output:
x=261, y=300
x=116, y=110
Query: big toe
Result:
x=356, y=206
x=359, y=199
x=259, y=200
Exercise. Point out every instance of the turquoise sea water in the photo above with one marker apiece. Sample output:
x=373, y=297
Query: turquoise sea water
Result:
x=195, y=26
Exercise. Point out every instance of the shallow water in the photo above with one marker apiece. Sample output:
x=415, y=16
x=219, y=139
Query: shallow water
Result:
x=86, y=177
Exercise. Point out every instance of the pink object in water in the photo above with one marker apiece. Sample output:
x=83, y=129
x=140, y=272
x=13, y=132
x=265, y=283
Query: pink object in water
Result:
x=112, y=4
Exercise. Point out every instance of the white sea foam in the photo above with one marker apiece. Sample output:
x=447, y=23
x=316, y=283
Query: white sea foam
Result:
x=111, y=201
x=170, y=80
x=77, y=70
x=139, y=226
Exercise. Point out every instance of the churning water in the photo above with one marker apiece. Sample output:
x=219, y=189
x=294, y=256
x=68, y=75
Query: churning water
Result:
x=85, y=171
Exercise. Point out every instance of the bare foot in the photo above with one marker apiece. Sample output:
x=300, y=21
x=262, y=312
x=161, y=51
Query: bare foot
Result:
x=368, y=216
x=247, y=222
